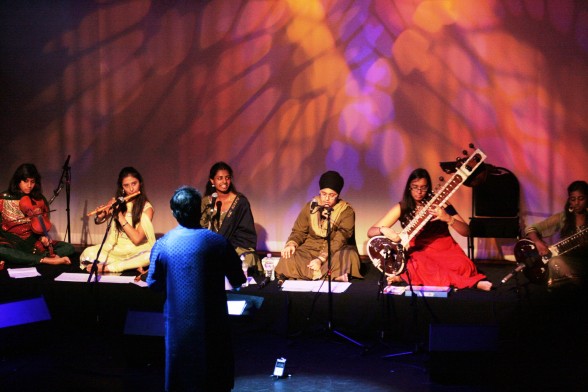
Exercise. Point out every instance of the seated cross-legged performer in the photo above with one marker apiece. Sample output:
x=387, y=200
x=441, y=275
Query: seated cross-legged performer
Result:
x=131, y=235
x=572, y=220
x=306, y=251
x=226, y=211
x=433, y=257
x=23, y=238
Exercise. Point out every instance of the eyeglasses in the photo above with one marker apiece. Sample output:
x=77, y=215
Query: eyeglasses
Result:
x=325, y=195
x=422, y=188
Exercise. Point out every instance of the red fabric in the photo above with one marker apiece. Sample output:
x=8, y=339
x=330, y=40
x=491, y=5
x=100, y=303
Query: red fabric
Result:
x=435, y=259
x=13, y=219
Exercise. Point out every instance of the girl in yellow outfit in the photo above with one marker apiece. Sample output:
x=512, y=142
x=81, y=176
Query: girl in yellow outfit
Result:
x=131, y=235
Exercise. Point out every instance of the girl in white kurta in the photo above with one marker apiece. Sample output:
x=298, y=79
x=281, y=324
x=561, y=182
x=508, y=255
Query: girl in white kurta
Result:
x=131, y=235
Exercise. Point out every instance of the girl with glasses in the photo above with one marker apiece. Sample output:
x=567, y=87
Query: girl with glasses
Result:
x=433, y=258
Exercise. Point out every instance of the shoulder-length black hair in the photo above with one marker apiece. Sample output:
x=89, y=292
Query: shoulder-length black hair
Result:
x=23, y=172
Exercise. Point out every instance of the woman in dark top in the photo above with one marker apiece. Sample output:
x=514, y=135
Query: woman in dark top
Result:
x=228, y=212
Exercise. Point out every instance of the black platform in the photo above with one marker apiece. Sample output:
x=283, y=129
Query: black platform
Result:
x=518, y=334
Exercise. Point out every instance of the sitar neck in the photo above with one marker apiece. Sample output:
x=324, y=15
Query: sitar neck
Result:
x=572, y=242
x=441, y=197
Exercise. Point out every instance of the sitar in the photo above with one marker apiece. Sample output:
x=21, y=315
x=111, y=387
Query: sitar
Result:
x=389, y=256
x=535, y=265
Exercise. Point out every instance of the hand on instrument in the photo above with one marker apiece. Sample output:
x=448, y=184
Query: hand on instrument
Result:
x=439, y=213
x=388, y=232
x=103, y=211
x=100, y=216
x=288, y=251
x=542, y=248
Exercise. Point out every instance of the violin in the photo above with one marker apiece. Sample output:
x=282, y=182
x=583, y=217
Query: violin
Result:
x=38, y=211
x=108, y=205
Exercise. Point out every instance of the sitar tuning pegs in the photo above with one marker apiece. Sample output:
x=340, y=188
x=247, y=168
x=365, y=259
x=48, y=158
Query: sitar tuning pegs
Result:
x=472, y=146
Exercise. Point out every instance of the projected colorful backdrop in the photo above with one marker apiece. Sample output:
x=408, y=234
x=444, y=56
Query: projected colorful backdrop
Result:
x=284, y=90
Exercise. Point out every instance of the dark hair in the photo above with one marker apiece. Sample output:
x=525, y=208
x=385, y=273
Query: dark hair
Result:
x=185, y=206
x=139, y=200
x=408, y=204
x=24, y=171
x=569, y=226
x=209, y=190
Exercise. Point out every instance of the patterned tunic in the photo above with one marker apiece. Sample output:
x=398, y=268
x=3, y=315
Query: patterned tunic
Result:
x=236, y=224
x=18, y=242
x=190, y=265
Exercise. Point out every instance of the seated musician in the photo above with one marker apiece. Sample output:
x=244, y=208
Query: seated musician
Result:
x=305, y=255
x=234, y=220
x=24, y=239
x=433, y=257
x=564, y=224
x=131, y=235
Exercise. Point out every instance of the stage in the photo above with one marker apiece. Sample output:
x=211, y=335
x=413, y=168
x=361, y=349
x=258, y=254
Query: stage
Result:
x=518, y=334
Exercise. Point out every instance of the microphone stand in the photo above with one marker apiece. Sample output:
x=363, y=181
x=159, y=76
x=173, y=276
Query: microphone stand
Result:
x=94, y=269
x=385, y=298
x=218, y=214
x=65, y=179
x=330, y=327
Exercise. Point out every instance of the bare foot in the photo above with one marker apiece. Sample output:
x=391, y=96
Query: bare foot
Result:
x=1, y=265
x=484, y=285
x=56, y=260
x=342, y=278
x=394, y=279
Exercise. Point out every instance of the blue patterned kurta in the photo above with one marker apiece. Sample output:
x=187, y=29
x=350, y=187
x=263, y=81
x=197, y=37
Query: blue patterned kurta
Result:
x=190, y=265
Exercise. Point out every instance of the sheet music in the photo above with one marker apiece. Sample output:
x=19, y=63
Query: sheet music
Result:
x=19, y=273
x=314, y=286
x=75, y=277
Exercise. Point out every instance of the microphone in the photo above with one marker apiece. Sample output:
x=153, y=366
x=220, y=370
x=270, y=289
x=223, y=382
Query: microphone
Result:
x=212, y=201
x=314, y=206
x=119, y=202
x=327, y=208
x=519, y=268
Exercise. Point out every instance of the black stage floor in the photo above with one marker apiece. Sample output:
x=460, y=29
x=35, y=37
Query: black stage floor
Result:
x=518, y=336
